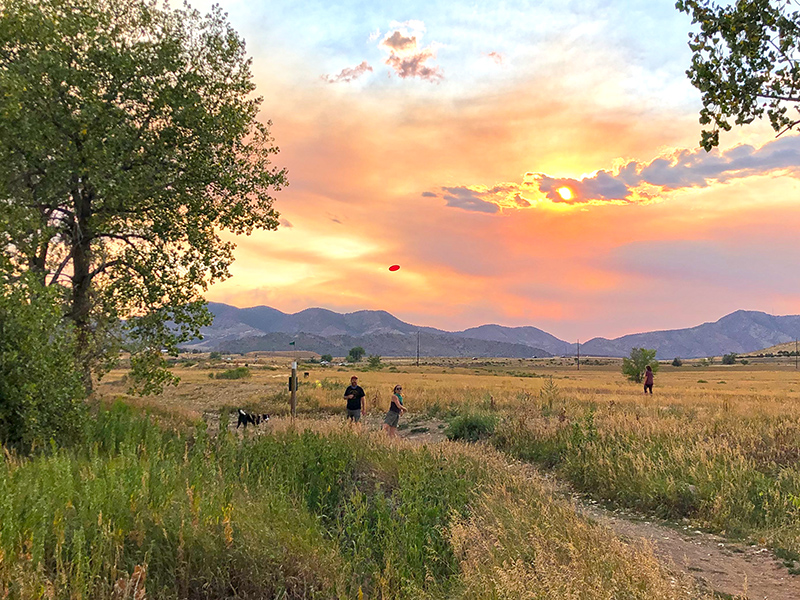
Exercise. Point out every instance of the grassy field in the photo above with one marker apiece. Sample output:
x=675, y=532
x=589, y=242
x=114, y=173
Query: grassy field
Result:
x=718, y=445
x=317, y=509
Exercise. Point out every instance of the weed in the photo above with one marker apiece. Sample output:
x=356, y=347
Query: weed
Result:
x=471, y=427
x=236, y=373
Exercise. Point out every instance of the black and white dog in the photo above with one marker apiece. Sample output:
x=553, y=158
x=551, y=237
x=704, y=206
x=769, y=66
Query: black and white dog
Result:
x=246, y=417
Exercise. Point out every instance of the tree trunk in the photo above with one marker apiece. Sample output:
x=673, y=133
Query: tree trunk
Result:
x=81, y=247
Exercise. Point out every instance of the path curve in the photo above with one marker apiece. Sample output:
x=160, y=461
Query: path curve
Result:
x=718, y=564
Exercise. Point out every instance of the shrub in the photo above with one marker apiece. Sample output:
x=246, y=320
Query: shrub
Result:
x=215, y=356
x=729, y=359
x=471, y=427
x=326, y=358
x=374, y=361
x=41, y=389
x=237, y=373
x=677, y=362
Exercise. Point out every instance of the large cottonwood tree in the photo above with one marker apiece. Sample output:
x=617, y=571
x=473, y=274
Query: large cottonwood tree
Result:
x=745, y=63
x=129, y=140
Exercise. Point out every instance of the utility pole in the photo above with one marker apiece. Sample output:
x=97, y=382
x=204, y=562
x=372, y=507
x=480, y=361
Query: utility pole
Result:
x=579, y=355
x=293, y=388
x=417, y=347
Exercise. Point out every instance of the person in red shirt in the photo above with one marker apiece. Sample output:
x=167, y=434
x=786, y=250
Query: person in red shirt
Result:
x=648, y=379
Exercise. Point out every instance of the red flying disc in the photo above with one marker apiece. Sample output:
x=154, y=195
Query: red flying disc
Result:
x=394, y=268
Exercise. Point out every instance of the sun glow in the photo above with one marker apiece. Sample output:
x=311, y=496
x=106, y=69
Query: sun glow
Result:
x=565, y=193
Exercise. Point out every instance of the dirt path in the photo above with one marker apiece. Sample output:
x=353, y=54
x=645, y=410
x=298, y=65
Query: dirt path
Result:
x=719, y=565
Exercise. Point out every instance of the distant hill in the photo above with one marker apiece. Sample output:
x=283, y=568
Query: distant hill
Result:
x=328, y=332
x=378, y=332
x=740, y=332
x=528, y=336
x=384, y=344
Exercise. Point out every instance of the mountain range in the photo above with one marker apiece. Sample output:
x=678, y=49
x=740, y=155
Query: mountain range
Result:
x=378, y=332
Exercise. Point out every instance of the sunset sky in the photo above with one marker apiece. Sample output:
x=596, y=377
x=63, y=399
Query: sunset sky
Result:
x=526, y=163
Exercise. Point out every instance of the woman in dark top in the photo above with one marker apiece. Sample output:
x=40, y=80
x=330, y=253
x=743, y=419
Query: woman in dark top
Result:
x=396, y=409
x=648, y=379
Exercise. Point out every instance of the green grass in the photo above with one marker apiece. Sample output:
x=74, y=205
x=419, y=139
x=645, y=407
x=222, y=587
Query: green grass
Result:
x=294, y=514
x=471, y=426
x=236, y=373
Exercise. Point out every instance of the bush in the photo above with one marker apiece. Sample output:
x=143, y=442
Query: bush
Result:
x=326, y=358
x=41, y=389
x=237, y=373
x=729, y=359
x=677, y=362
x=374, y=361
x=215, y=356
x=471, y=427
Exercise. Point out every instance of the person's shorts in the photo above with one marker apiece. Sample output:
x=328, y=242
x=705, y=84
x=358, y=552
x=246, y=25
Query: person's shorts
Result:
x=392, y=418
x=354, y=415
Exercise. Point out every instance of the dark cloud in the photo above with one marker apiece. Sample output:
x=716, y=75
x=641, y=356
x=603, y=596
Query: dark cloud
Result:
x=349, y=74
x=414, y=66
x=636, y=181
x=462, y=197
x=602, y=186
x=408, y=59
x=429, y=195
x=697, y=168
x=520, y=201
x=285, y=223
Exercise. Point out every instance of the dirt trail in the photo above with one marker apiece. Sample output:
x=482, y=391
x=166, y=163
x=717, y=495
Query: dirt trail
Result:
x=718, y=564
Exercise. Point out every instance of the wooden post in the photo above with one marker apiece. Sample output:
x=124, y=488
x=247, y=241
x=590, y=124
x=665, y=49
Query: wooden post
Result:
x=579, y=355
x=418, y=347
x=293, y=388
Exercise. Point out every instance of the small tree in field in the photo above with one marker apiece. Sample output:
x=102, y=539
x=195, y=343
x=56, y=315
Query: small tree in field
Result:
x=729, y=359
x=356, y=354
x=326, y=358
x=633, y=367
x=677, y=362
x=374, y=361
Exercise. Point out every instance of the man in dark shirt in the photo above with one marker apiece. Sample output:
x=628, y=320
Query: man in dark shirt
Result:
x=356, y=400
